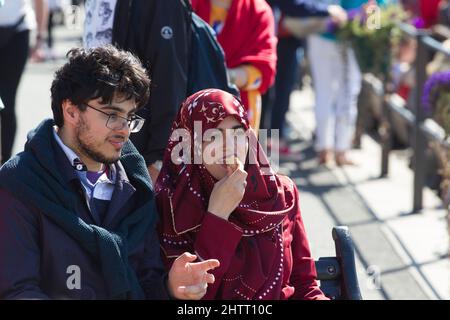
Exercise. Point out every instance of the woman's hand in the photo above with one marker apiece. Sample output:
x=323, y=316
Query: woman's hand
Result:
x=228, y=192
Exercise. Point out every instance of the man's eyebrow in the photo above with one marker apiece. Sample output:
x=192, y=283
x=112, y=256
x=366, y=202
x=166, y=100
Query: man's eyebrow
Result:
x=118, y=109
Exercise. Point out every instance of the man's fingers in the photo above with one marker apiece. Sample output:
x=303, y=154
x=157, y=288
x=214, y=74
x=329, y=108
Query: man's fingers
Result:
x=188, y=295
x=186, y=257
x=206, y=265
x=194, y=292
x=209, y=278
x=194, y=289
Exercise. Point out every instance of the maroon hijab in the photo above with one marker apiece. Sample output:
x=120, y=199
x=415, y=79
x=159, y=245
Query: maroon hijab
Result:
x=183, y=191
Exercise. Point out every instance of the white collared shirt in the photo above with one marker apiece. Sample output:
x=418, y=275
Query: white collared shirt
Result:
x=103, y=187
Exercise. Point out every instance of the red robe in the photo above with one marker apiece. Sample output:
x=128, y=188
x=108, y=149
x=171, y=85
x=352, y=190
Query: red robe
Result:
x=298, y=279
x=247, y=37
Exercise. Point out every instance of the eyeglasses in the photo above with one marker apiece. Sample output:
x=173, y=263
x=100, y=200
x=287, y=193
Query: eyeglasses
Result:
x=116, y=122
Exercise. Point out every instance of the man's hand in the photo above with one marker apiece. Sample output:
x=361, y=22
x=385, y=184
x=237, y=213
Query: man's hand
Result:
x=189, y=280
x=337, y=14
x=228, y=192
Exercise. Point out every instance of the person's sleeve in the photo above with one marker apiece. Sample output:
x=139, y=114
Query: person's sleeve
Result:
x=265, y=50
x=301, y=8
x=19, y=251
x=304, y=274
x=168, y=68
x=151, y=274
x=217, y=239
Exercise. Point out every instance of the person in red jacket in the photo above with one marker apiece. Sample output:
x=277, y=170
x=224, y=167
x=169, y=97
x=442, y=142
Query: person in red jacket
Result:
x=246, y=31
x=239, y=212
x=429, y=11
x=425, y=12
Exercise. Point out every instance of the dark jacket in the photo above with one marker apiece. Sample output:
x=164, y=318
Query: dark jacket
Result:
x=158, y=32
x=300, y=8
x=47, y=231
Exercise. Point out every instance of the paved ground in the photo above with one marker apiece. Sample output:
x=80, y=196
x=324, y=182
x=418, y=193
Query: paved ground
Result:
x=407, y=251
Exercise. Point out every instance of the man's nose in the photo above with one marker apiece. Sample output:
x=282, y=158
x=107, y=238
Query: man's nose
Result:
x=124, y=129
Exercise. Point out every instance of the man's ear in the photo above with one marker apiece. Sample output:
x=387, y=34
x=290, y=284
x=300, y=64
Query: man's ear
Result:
x=71, y=113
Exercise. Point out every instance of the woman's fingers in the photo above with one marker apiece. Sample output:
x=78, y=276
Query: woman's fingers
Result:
x=237, y=175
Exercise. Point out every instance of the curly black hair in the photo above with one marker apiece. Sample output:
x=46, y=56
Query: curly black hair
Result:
x=102, y=72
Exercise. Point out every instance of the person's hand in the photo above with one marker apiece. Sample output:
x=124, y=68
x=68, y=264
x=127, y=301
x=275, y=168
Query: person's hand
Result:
x=338, y=14
x=189, y=280
x=238, y=76
x=37, y=53
x=228, y=192
x=153, y=171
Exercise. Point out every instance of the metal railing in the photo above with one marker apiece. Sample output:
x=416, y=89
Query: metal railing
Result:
x=423, y=129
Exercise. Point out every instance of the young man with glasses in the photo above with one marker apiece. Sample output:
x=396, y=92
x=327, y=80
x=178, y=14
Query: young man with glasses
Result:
x=77, y=214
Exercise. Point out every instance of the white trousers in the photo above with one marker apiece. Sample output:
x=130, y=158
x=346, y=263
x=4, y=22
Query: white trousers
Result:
x=337, y=86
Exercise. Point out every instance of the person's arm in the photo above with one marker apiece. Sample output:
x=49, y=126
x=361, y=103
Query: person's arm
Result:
x=151, y=274
x=218, y=239
x=304, y=274
x=301, y=8
x=41, y=13
x=41, y=10
x=310, y=9
x=19, y=251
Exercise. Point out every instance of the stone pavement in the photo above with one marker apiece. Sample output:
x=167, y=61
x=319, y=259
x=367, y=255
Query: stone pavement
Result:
x=408, y=252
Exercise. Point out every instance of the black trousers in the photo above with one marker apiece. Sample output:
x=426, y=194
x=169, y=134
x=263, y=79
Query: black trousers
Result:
x=13, y=57
x=287, y=76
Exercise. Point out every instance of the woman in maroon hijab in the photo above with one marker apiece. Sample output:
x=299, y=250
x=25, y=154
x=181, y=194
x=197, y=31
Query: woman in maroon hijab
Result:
x=240, y=213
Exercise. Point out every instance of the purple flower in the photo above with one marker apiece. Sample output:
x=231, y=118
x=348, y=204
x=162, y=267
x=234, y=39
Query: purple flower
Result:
x=332, y=27
x=418, y=22
x=437, y=82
